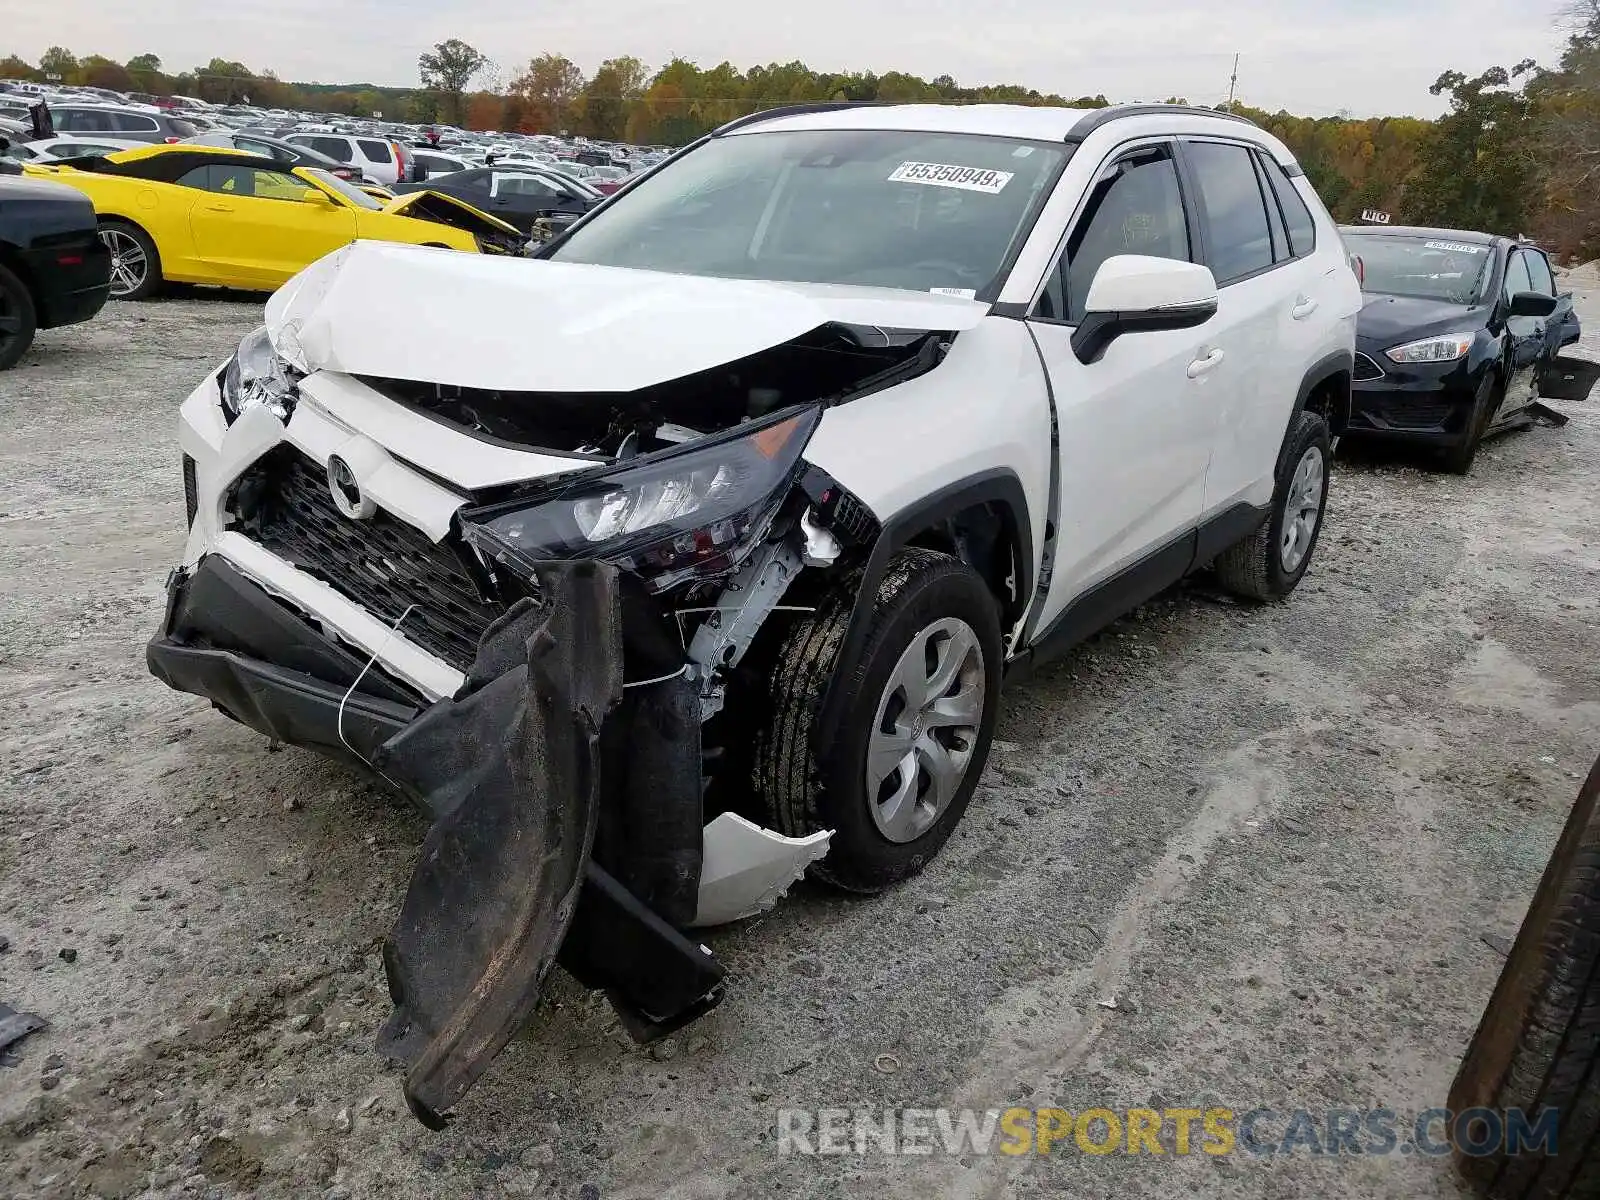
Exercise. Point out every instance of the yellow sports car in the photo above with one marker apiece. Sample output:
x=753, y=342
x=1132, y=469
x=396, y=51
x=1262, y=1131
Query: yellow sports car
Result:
x=206, y=214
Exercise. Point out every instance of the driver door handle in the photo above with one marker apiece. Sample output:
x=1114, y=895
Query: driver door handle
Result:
x=1210, y=362
x=1304, y=308
x=219, y=208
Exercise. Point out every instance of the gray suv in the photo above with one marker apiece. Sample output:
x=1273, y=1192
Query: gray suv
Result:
x=136, y=124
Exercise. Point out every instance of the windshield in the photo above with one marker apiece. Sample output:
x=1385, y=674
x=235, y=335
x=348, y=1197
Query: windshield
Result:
x=352, y=194
x=884, y=208
x=1423, y=268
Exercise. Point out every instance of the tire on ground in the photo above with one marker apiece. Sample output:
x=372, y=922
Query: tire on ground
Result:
x=1458, y=460
x=1538, y=1045
x=805, y=793
x=1252, y=568
x=152, y=282
x=17, y=307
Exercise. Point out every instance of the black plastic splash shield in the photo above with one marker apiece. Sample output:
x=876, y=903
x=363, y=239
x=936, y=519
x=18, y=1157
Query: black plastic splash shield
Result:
x=511, y=768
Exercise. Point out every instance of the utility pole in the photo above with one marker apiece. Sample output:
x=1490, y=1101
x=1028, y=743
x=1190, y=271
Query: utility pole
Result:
x=1234, y=82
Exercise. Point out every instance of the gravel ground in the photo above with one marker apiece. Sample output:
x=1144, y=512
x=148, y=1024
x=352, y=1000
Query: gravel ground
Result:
x=1288, y=840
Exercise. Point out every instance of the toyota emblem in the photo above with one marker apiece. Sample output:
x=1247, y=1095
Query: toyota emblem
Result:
x=346, y=491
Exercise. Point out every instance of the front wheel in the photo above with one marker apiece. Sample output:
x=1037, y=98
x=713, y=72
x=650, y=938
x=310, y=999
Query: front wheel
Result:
x=895, y=768
x=1458, y=460
x=1269, y=564
x=17, y=319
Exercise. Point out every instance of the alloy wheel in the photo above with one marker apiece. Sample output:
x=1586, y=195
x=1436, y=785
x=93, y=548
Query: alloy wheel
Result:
x=129, y=265
x=926, y=729
x=1302, y=509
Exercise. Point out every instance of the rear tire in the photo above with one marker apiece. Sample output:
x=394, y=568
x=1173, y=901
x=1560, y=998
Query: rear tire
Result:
x=1538, y=1045
x=136, y=263
x=933, y=617
x=1271, y=562
x=18, y=319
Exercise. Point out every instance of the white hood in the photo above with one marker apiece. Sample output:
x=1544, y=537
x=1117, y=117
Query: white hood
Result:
x=510, y=324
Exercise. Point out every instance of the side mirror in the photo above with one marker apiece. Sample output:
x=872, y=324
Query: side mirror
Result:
x=317, y=196
x=1133, y=293
x=1532, y=304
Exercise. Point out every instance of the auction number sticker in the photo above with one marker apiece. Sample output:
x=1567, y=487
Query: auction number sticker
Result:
x=1456, y=247
x=968, y=179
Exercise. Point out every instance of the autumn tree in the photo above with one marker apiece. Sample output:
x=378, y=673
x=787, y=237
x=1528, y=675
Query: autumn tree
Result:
x=548, y=89
x=15, y=67
x=607, y=100
x=1569, y=137
x=448, y=70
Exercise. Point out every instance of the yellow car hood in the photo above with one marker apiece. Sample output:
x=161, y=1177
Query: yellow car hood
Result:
x=447, y=210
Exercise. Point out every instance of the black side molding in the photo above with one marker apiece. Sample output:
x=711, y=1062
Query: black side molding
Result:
x=999, y=487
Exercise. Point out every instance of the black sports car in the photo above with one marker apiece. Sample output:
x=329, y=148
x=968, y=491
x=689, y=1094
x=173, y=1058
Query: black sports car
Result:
x=516, y=194
x=1455, y=334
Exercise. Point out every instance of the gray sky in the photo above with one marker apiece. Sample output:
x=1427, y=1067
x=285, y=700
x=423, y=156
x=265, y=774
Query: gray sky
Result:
x=1368, y=56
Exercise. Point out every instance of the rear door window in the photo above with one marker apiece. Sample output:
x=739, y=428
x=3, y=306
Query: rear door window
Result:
x=1240, y=239
x=375, y=151
x=335, y=148
x=1302, y=229
x=135, y=123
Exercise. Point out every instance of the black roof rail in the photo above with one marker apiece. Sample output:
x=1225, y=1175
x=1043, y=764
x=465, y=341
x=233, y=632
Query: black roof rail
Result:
x=1101, y=116
x=790, y=110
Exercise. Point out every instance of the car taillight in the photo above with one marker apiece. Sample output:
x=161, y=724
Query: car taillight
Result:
x=402, y=167
x=70, y=260
x=172, y=141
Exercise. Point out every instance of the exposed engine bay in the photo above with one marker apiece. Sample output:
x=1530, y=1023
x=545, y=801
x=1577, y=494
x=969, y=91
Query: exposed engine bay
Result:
x=828, y=365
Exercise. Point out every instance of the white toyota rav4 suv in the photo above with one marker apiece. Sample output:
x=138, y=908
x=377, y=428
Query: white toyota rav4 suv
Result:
x=693, y=553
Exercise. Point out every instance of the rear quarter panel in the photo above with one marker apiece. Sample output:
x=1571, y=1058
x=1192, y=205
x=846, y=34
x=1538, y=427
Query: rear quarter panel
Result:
x=160, y=209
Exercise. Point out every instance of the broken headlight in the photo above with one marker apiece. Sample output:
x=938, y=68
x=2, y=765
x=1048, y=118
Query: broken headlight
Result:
x=256, y=375
x=665, y=518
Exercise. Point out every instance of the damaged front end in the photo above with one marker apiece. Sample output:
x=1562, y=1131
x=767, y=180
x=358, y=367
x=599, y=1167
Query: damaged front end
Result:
x=534, y=610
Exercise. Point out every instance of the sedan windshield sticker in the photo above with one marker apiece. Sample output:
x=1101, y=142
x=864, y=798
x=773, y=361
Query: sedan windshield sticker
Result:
x=1455, y=247
x=968, y=179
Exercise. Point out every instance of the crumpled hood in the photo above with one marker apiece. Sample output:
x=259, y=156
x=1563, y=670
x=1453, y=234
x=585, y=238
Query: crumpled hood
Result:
x=510, y=324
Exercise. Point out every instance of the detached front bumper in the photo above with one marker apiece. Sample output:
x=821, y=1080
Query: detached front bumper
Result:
x=568, y=824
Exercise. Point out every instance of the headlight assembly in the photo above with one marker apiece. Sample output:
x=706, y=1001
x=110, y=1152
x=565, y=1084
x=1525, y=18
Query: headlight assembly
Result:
x=1441, y=348
x=256, y=375
x=667, y=518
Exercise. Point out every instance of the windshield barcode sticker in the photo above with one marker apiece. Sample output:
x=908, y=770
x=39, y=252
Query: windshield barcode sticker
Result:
x=1455, y=247
x=968, y=179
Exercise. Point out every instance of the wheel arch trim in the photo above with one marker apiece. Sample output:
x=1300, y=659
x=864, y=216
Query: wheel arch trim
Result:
x=998, y=486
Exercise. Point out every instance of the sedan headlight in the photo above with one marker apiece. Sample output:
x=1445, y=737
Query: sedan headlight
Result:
x=1445, y=347
x=667, y=518
x=256, y=375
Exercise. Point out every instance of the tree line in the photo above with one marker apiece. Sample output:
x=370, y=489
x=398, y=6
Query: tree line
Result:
x=1517, y=152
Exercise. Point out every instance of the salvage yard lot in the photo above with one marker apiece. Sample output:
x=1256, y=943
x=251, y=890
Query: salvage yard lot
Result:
x=1287, y=841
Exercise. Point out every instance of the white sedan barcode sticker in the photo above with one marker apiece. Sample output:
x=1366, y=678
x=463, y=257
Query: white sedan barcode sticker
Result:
x=1455, y=247
x=968, y=179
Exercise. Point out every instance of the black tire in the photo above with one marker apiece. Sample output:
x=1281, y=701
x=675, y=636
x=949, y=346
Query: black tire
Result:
x=1253, y=567
x=1538, y=1045
x=18, y=318
x=1458, y=460
x=805, y=793
x=152, y=282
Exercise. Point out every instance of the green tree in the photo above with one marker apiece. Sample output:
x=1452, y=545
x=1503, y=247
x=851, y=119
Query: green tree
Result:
x=448, y=70
x=58, y=63
x=148, y=64
x=1569, y=138
x=1479, y=168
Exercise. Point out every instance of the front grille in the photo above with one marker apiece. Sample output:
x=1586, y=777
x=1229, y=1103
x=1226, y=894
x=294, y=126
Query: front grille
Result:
x=382, y=564
x=1425, y=414
x=1366, y=368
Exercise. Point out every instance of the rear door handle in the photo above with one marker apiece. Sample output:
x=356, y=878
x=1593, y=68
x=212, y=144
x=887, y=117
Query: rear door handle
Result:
x=1304, y=309
x=1210, y=362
